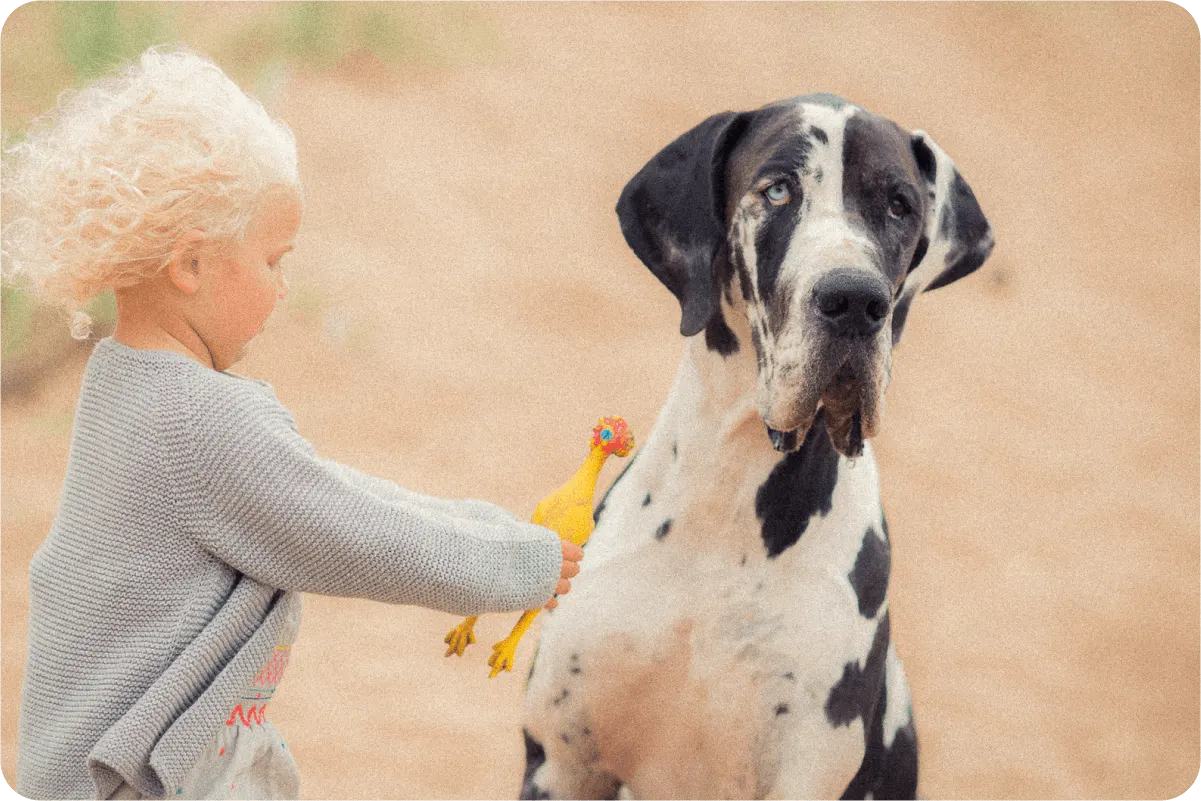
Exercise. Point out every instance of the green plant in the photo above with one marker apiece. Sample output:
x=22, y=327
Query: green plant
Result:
x=97, y=36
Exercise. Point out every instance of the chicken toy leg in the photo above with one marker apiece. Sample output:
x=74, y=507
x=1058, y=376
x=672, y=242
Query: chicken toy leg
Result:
x=568, y=512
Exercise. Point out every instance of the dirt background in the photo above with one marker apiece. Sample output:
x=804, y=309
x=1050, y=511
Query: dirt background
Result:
x=464, y=306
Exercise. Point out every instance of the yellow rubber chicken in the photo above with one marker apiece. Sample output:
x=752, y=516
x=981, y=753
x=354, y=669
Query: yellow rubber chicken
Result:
x=568, y=512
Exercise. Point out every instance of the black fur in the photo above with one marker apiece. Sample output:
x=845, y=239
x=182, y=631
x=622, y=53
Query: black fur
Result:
x=869, y=577
x=898, y=774
x=959, y=219
x=800, y=486
x=535, y=756
x=878, y=167
x=672, y=214
x=969, y=231
x=886, y=772
x=861, y=688
x=927, y=164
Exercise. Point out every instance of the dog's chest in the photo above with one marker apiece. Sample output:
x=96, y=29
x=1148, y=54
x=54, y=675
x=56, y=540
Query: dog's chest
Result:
x=695, y=635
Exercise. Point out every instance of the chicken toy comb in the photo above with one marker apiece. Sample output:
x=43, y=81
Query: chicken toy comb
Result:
x=613, y=436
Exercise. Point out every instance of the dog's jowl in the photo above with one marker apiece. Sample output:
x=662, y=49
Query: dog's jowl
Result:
x=729, y=633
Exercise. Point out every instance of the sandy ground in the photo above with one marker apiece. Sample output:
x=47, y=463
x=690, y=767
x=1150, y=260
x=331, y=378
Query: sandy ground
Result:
x=464, y=307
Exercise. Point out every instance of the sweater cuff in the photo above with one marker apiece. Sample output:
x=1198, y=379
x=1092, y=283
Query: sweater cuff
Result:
x=533, y=575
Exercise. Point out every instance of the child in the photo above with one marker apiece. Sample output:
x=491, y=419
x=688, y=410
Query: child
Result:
x=166, y=596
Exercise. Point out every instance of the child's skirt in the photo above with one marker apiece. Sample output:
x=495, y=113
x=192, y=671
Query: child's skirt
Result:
x=248, y=758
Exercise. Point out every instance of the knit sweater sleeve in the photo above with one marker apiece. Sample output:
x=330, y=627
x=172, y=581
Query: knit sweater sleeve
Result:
x=271, y=508
x=386, y=489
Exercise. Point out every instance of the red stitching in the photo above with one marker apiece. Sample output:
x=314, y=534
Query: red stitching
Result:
x=273, y=671
x=256, y=715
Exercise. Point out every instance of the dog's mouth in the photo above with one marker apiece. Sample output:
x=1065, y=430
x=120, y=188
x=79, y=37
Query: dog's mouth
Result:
x=849, y=404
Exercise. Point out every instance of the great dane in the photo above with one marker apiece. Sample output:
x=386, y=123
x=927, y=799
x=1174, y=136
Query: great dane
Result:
x=728, y=635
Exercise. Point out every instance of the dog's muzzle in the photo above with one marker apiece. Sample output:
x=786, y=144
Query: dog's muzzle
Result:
x=848, y=308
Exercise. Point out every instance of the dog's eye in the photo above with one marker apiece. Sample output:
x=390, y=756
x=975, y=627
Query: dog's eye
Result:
x=777, y=194
x=898, y=207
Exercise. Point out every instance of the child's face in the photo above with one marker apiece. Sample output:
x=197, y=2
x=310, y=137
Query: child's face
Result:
x=246, y=280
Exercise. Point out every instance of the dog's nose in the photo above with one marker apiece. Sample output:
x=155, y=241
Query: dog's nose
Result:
x=852, y=303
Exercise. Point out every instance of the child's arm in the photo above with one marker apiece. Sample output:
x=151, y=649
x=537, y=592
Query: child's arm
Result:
x=385, y=489
x=276, y=511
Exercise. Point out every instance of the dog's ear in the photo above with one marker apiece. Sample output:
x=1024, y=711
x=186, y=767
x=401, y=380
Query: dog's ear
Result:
x=673, y=216
x=957, y=238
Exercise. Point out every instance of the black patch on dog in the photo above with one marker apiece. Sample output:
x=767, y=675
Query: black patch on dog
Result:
x=869, y=577
x=719, y=337
x=873, y=755
x=878, y=166
x=560, y=698
x=647, y=500
x=600, y=507
x=927, y=164
x=886, y=772
x=535, y=756
x=744, y=277
x=971, y=236
x=789, y=676
x=800, y=486
x=898, y=775
x=672, y=213
x=772, y=241
x=919, y=253
x=564, y=737
x=775, y=235
x=782, y=709
x=743, y=562
x=675, y=450
x=820, y=135
x=662, y=531
x=861, y=688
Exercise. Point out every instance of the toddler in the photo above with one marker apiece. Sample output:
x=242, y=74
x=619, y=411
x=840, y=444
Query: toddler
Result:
x=166, y=596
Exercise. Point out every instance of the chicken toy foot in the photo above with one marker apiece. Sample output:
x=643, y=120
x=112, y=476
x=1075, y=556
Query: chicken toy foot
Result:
x=568, y=512
x=505, y=651
x=461, y=636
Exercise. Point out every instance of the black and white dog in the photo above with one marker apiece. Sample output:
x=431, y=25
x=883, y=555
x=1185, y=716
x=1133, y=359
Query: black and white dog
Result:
x=728, y=636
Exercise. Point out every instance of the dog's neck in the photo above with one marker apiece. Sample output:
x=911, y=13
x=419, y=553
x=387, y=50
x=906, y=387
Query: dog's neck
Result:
x=709, y=440
x=723, y=385
x=709, y=455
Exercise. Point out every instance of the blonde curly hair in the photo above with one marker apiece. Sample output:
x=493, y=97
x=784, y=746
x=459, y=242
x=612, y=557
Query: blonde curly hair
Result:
x=107, y=188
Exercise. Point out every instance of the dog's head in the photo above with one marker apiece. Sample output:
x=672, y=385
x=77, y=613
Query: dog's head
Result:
x=826, y=221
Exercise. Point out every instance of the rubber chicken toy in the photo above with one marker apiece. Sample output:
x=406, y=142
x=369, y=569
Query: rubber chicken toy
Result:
x=568, y=512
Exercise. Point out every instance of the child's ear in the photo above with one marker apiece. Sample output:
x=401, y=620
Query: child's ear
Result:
x=184, y=267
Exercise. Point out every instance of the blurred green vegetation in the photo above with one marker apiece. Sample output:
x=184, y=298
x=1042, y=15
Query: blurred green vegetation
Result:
x=47, y=47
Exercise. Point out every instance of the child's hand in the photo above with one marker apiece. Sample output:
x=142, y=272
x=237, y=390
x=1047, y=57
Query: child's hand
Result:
x=572, y=554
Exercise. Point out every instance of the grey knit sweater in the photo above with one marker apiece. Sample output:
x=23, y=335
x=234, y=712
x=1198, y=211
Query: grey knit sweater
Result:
x=191, y=517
